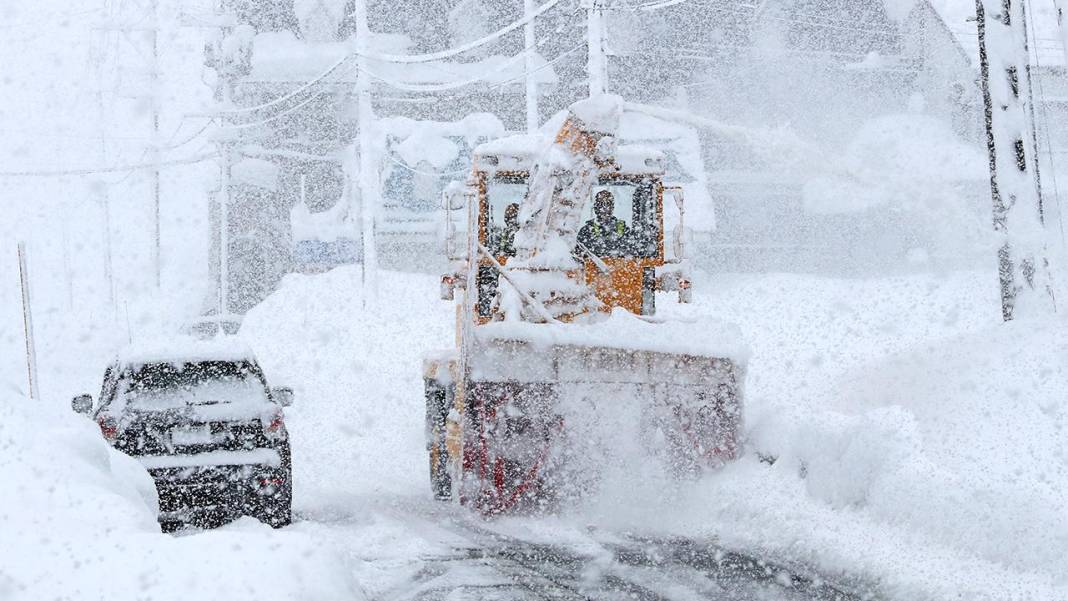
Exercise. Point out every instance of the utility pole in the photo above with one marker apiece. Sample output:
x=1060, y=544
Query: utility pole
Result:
x=368, y=176
x=1015, y=185
x=136, y=24
x=529, y=44
x=154, y=94
x=1062, y=28
x=595, y=59
x=228, y=64
x=101, y=186
x=225, y=167
x=27, y=323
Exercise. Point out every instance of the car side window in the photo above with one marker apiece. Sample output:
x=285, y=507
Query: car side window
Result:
x=107, y=391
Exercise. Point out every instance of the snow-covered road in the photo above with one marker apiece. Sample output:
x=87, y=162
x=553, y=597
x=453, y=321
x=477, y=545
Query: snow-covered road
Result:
x=919, y=444
x=440, y=551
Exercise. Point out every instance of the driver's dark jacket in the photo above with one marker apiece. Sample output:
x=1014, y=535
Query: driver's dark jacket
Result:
x=606, y=239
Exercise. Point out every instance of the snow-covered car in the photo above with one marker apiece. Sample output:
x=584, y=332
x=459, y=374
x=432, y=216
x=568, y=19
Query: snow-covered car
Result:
x=200, y=417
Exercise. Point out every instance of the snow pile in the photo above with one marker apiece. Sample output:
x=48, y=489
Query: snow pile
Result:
x=79, y=522
x=919, y=443
x=356, y=424
x=325, y=226
x=912, y=161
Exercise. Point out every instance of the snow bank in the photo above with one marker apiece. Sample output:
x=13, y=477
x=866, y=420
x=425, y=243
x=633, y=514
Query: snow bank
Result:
x=919, y=442
x=911, y=160
x=78, y=522
x=356, y=424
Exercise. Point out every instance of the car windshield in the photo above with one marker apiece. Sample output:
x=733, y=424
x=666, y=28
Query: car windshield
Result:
x=170, y=385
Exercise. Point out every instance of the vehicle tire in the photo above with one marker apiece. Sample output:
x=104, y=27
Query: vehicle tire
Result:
x=437, y=403
x=277, y=511
x=440, y=481
x=170, y=527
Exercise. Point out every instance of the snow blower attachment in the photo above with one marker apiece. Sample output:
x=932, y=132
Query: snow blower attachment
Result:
x=562, y=378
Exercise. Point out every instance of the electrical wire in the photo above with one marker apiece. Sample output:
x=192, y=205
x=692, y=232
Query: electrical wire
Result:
x=279, y=115
x=434, y=56
x=421, y=172
x=452, y=85
x=1045, y=116
x=37, y=19
x=169, y=146
x=524, y=75
x=296, y=92
x=114, y=169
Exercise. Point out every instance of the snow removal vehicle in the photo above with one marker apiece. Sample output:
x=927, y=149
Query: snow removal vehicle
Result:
x=563, y=381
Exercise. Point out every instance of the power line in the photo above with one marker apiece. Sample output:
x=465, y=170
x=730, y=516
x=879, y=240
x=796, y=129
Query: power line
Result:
x=452, y=85
x=189, y=139
x=49, y=17
x=294, y=93
x=114, y=169
x=421, y=172
x=434, y=56
x=276, y=116
x=1045, y=130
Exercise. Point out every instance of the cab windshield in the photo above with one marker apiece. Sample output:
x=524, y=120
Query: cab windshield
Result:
x=625, y=226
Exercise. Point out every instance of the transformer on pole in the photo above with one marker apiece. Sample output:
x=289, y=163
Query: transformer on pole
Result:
x=1015, y=184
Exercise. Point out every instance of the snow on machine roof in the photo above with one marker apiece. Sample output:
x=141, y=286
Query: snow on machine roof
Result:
x=519, y=153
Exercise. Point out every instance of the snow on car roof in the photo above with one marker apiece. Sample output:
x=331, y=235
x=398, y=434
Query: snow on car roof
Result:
x=182, y=349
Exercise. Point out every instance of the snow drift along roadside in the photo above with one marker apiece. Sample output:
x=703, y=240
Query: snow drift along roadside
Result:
x=78, y=521
x=921, y=444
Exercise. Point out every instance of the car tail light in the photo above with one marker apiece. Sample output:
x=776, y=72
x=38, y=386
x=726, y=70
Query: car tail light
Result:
x=108, y=427
x=276, y=428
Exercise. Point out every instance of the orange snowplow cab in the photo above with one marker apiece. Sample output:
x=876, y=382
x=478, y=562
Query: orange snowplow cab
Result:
x=627, y=275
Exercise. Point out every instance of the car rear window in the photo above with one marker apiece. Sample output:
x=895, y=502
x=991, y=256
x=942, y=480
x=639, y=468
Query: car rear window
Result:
x=202, y=383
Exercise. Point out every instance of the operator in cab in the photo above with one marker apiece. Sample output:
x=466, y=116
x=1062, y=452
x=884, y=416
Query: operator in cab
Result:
x=605, y=235
x=502, y=239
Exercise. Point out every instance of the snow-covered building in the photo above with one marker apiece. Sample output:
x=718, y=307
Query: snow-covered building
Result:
x=831, y=76
x=814, y=82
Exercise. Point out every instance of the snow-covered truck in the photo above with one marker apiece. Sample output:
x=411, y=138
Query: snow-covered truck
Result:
x=562, y=371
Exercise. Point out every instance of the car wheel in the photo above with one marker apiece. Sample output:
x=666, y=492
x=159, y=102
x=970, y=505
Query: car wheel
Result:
x=276, y=511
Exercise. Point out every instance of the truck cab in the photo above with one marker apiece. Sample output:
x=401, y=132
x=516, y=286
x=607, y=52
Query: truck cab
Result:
x=622, y=257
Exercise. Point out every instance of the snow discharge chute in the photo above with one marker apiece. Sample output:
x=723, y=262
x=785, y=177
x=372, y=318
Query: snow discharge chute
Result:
x=562, y=376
